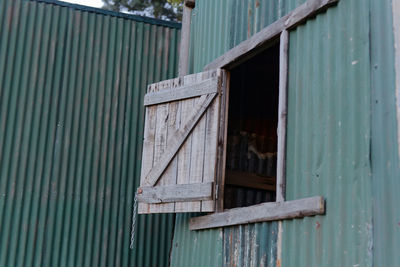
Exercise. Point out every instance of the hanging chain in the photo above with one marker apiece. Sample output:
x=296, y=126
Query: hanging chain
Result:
x=133, y=222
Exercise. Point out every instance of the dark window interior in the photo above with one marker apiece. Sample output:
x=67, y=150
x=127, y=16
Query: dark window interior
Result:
x=252, y=131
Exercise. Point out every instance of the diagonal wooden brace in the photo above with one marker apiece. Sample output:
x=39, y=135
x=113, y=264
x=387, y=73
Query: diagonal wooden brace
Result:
x=178, y=139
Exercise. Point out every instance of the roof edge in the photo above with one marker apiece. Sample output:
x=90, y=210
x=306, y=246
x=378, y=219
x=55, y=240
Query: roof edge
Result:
x=100, y=11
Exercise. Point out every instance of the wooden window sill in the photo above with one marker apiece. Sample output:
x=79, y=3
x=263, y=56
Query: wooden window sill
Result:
x=270, y=211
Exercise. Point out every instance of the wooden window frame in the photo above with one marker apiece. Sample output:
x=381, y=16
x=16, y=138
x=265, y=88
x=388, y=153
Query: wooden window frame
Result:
x=280, y=209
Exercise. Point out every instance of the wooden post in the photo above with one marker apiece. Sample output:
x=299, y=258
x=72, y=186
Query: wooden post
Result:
x=282, y=113
x=185, y=37
x=282, y=119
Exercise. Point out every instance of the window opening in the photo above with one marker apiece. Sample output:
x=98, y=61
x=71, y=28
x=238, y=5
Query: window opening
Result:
x=252, y=131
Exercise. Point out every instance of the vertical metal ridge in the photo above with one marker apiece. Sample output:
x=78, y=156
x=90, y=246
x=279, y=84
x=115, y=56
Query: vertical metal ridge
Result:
x=20, y=118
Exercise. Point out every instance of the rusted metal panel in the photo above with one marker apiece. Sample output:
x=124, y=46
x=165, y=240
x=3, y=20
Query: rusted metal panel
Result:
x=72, y=82
x=252, y=245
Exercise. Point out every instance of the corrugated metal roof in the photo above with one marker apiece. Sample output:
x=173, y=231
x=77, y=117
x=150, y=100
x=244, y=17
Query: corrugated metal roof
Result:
x=71, y=123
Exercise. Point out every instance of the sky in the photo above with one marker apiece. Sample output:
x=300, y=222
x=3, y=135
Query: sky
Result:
x=92, y=3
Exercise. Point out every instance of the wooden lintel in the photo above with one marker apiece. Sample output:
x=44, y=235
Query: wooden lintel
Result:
x=175, y=193
x=270, y=211
x=255, y=43
x=205, y=87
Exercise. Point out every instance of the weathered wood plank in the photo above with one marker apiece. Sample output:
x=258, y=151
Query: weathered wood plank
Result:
x=185, y=41
x=160, y=142
x=222, y=141
x=255, y=43
x=245, y=179
x=210, y=153
x=270, y=211
x=205, y=87
x=188, y=165
x=178, y=139
x=173, y=124
x=148, y=144
x=282, y=114
x=175, y=193
x=198, y=149
x=185, y=153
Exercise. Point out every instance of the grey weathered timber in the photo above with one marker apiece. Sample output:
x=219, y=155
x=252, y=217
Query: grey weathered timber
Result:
x=282, y=114
x=175, y=193
x=270, y=211
x=178, y=139
x=255, y=43
x=205, y=87
x=166, y=121
x=222, y=139
x=185, y=41
x=191, y=154
x=148, y=144
x=194, y=162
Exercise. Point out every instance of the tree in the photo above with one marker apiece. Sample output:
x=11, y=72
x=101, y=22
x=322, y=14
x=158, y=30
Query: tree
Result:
x=161, y=9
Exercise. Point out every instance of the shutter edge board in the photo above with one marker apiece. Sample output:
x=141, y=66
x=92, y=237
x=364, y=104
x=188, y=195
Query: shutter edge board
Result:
x=205, y=87
x=175, y=193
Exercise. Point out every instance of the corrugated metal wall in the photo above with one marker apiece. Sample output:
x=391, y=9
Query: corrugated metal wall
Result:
x=218, y=26
x=341, y=135
x=71, y=122
x=385, y=160
x=328, y=149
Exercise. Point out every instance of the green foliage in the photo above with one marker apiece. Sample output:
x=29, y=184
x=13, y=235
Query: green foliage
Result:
x=161, y=9
x=175, y=2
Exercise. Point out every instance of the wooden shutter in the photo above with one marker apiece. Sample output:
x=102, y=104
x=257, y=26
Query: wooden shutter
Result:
x=182, y=127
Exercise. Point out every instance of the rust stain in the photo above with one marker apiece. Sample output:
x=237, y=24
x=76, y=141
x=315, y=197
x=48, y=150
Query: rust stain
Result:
x=257, y=3
x=317, y=225
x=278, y=263
x=249, y=23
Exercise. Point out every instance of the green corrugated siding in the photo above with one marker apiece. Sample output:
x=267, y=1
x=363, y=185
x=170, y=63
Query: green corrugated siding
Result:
x=195, y=248
x=218, y=26
x=328, y=145
x=341, y=134
x=71, y=123
x=385, y=160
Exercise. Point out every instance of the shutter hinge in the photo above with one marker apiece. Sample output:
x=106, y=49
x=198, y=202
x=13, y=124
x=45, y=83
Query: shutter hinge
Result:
x=216, y=191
